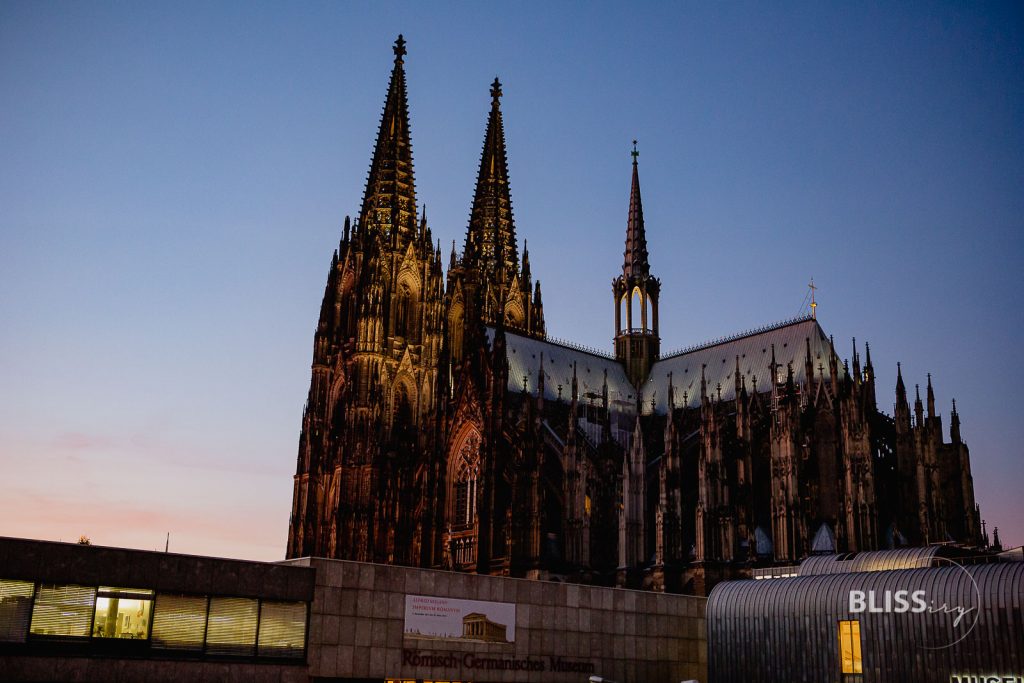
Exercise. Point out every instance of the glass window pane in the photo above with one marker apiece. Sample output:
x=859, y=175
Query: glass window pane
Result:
x=855, y=638
x=282, y=629
x=179, y=622
x=231, y=626
x=849, y=647
x=122, y=617
x=63, y=610
x=15, y=609
x=138, y=593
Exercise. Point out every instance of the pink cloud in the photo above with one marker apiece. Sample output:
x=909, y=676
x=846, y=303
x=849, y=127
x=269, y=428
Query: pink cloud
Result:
x=80, y=441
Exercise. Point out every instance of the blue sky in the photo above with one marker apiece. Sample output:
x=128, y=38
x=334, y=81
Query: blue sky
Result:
x=175, y=177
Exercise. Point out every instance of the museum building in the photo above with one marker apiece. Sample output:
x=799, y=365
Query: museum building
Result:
x=80, y=612
x=916, y=615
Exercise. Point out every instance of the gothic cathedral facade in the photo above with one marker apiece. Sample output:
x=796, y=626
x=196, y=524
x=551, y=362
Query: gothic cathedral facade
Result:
x=444, y=429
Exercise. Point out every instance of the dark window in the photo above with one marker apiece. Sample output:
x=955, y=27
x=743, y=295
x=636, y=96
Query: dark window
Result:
x=15, y=610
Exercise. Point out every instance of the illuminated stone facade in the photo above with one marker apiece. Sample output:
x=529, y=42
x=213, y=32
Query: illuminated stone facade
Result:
x=444, y=429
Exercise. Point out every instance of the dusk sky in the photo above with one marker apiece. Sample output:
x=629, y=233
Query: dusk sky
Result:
x=174, y=178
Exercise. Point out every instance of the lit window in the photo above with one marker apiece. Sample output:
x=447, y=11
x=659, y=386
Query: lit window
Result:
x=231, y=627
x=849, y=647
x=123, y=613
x=63, y=610
x=179, y=622
x=586, y=505
x=15, y=610
x=282, y=629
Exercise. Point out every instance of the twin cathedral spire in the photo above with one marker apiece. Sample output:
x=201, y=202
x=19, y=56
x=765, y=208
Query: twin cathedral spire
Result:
x=389, y=202
x=489, y=270
x=491, y=237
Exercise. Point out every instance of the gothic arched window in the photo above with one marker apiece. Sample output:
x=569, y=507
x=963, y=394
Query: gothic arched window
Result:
x=465, y=472
x=637, y=307
x=402, y=417
x=455, y=325
x=403, y=305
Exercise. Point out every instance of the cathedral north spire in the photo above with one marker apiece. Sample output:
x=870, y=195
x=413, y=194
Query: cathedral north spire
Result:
x=389, y=202
x=491, y=237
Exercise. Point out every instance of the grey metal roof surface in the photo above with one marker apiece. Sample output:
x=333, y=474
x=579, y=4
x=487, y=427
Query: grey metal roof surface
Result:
x=870, y=561
x=755, y=352
x=524, y=357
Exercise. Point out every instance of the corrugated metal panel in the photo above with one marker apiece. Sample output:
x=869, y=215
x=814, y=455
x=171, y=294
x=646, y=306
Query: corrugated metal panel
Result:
x=755, y=352
x=786, y=629
x=871, y=561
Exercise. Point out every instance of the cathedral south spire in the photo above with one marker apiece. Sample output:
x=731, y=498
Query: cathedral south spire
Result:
x=635, y=293
x=491, y=237
x=389, y=202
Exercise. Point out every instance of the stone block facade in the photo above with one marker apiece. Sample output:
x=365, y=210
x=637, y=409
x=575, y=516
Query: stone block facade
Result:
x=563, y=632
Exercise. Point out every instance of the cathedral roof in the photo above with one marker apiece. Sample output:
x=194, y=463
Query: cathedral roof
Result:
x=524, y=359
x=718, y=360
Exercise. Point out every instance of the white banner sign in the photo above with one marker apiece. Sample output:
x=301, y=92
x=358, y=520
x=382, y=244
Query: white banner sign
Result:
x=435, y=618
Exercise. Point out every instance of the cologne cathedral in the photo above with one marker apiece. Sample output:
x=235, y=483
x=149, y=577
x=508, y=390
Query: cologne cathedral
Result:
x=444, y=429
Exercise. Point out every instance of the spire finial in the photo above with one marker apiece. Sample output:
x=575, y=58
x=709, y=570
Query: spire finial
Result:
x=814, y=303
x=495, y=90
x=399, y=48
x=634, y=153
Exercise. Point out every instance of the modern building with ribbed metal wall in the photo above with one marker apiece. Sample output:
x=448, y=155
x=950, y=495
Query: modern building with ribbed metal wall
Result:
x=916, y=615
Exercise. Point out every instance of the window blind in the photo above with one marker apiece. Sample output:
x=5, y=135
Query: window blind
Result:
x=15, y=609
x=179, y=622
x=282, y=629
x=231, y=626
x=63, y=610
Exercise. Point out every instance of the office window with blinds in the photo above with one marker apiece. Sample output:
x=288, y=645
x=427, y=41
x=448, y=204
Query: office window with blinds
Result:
x=179, y=622
x=63, y=610
x=231, y=626
x=15, y=610
x=282, y=629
